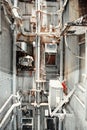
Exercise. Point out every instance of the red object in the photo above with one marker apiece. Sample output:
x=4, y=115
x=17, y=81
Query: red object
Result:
x=64, y=87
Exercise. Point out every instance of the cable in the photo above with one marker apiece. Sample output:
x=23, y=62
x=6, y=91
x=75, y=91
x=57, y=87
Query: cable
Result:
x=71, y=50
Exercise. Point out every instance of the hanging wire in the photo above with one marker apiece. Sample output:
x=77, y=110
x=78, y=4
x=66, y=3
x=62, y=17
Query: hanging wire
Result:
x=73, y=53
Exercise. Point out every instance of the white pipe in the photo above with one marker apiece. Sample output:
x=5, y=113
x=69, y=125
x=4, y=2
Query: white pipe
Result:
x=86, y=73
x=62, y=7
x=0, y=21
x=15, y=13
x=14, y=71
x=66, y=100
x=38, y=62
x=8, y=20
x=5, y=104
x=15, y=3
x=65, y=3
x=15, y=10
x=8, y=113
x=60, y=124
x=64, y=111
x=61, y=45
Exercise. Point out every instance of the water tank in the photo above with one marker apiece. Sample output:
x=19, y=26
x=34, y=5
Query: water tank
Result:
x=55, y=93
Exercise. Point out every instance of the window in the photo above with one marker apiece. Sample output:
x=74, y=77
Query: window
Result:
x=50, y=59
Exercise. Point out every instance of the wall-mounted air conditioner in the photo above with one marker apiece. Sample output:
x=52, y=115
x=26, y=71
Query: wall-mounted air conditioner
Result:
x=51, y=48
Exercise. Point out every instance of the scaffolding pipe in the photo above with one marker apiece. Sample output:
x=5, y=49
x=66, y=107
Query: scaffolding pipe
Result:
x=5, y=104
x=8, y=113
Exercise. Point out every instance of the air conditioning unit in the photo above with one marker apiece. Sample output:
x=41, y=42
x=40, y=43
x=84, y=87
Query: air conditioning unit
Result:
x=51, y=48
x=26, y=61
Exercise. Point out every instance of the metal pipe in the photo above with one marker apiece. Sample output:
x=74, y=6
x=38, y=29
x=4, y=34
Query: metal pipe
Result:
x=14, y=65
x=8, y=113
x=0, y=34
x=65, y=3
x=15, y=3
x=11, y=122
x=38, y=42
x=38, y=62
x=60, y=124
x=66, y=100
x=14, y=55
x=61, y=46
x=86, y=72
x=0, y=20
x=61, y=43
x=5, y=104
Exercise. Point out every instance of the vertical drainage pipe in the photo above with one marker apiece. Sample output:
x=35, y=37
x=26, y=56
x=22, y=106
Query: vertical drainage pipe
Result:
x=0, y=19
x=61, y=46
x=61, y=59
x=0, y=36
x=60, y=124
x=38, y=62
x=14, y=73
x=86, y=71
x=14, y=55
x=14, y=66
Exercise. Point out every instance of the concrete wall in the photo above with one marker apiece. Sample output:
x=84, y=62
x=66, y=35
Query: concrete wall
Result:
x=5, y=59
x=25, y=81
x=5, y=62
x=71, y=61
x=71, y=73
